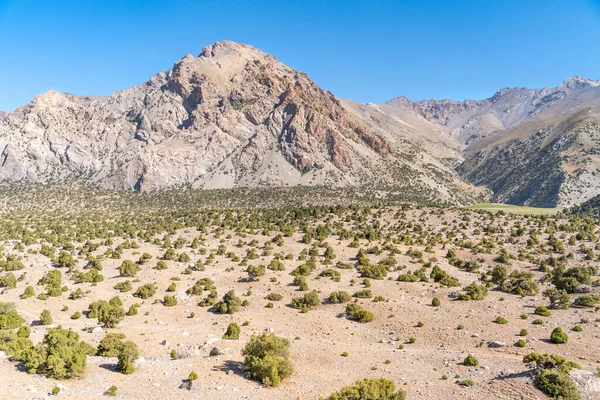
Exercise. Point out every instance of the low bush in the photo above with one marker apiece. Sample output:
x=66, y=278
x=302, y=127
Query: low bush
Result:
x=233, y=332
x=558, y=336
x=266, y=358
x=228, y=305
x=369, y=389
x=357, y=313
x=338, y=297
x=471, y=361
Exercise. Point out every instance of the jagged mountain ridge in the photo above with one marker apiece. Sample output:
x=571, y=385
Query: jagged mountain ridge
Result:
x=231, y=117
x=472, y=120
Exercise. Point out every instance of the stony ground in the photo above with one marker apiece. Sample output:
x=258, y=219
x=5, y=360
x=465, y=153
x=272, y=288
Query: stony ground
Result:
x=319, y=336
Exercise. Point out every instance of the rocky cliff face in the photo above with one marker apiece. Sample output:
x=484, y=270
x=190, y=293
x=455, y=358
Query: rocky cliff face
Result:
x=231, y=117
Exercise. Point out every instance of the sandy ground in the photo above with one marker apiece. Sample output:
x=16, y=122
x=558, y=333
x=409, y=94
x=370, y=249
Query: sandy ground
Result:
x=318, y=337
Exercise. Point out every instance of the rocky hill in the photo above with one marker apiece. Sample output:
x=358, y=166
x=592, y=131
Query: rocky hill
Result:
x=236, y=117
x=536, y=147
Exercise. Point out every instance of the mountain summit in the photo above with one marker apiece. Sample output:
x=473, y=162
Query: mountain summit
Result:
x=234, y=116
x=231, y=117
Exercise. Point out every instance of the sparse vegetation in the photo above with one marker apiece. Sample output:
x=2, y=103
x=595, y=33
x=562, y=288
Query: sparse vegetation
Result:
x=386, y=265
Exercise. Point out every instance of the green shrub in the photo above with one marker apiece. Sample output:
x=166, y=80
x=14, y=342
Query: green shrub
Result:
x=111, y=391
x=549, y=361
x=443, y=278
x=330, y=273
x=128, y=354
x=307, y=301
x=53, y=282
x=109, y=314
x=24, y=331
x=160, y=265
x=558, y=384
x=558, y=336
x=61, y=355
x=111, y=345
x=570, y=278
x=501, y=320
x=169, y=301
x=29, y=292
x=369, y=389
x=233, y=332
x=267, y=358
x=65, y=260
x=373, y=271
x=473, y=292
x=542, y=311
x=436, y=302
x=255, y=272
x=363, y=294
x=521, y=343
x=145, y=291
x=471, y=361
x=558, y=298
x=520, y=283
x=76, y=294
x=46, y=318
x=274, y=297
x=128, y=269
x=228, y=305
x=276, y=265
x=9, y=317
x=200, y=286
x=587, y=301
x=132, y=310
x=553, y=375
x=357, y=313
x=92, y=276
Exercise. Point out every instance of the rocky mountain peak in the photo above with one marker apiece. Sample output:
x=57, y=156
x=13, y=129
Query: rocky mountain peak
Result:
x=577, y=82
x=232, y=116
x=226, y=48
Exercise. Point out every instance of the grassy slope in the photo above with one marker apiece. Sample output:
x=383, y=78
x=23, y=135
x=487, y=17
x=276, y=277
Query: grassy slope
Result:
x=513, y=209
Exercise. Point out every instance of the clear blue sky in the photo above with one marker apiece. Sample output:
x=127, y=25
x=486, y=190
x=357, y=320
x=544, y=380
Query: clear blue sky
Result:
x=361, y=50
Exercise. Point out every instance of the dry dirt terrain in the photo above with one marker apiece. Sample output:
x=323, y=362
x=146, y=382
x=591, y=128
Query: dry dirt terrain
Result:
x=416, y=345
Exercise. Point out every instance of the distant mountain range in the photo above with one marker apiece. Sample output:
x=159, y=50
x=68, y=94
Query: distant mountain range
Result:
x=236, y=117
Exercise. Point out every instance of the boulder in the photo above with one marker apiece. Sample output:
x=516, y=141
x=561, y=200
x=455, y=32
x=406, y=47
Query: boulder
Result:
x=216, y=351
x=583, y=289
x=190, y=385
x=586, y=381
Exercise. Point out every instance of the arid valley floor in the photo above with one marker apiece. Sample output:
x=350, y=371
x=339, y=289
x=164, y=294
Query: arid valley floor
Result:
x=418, y=346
